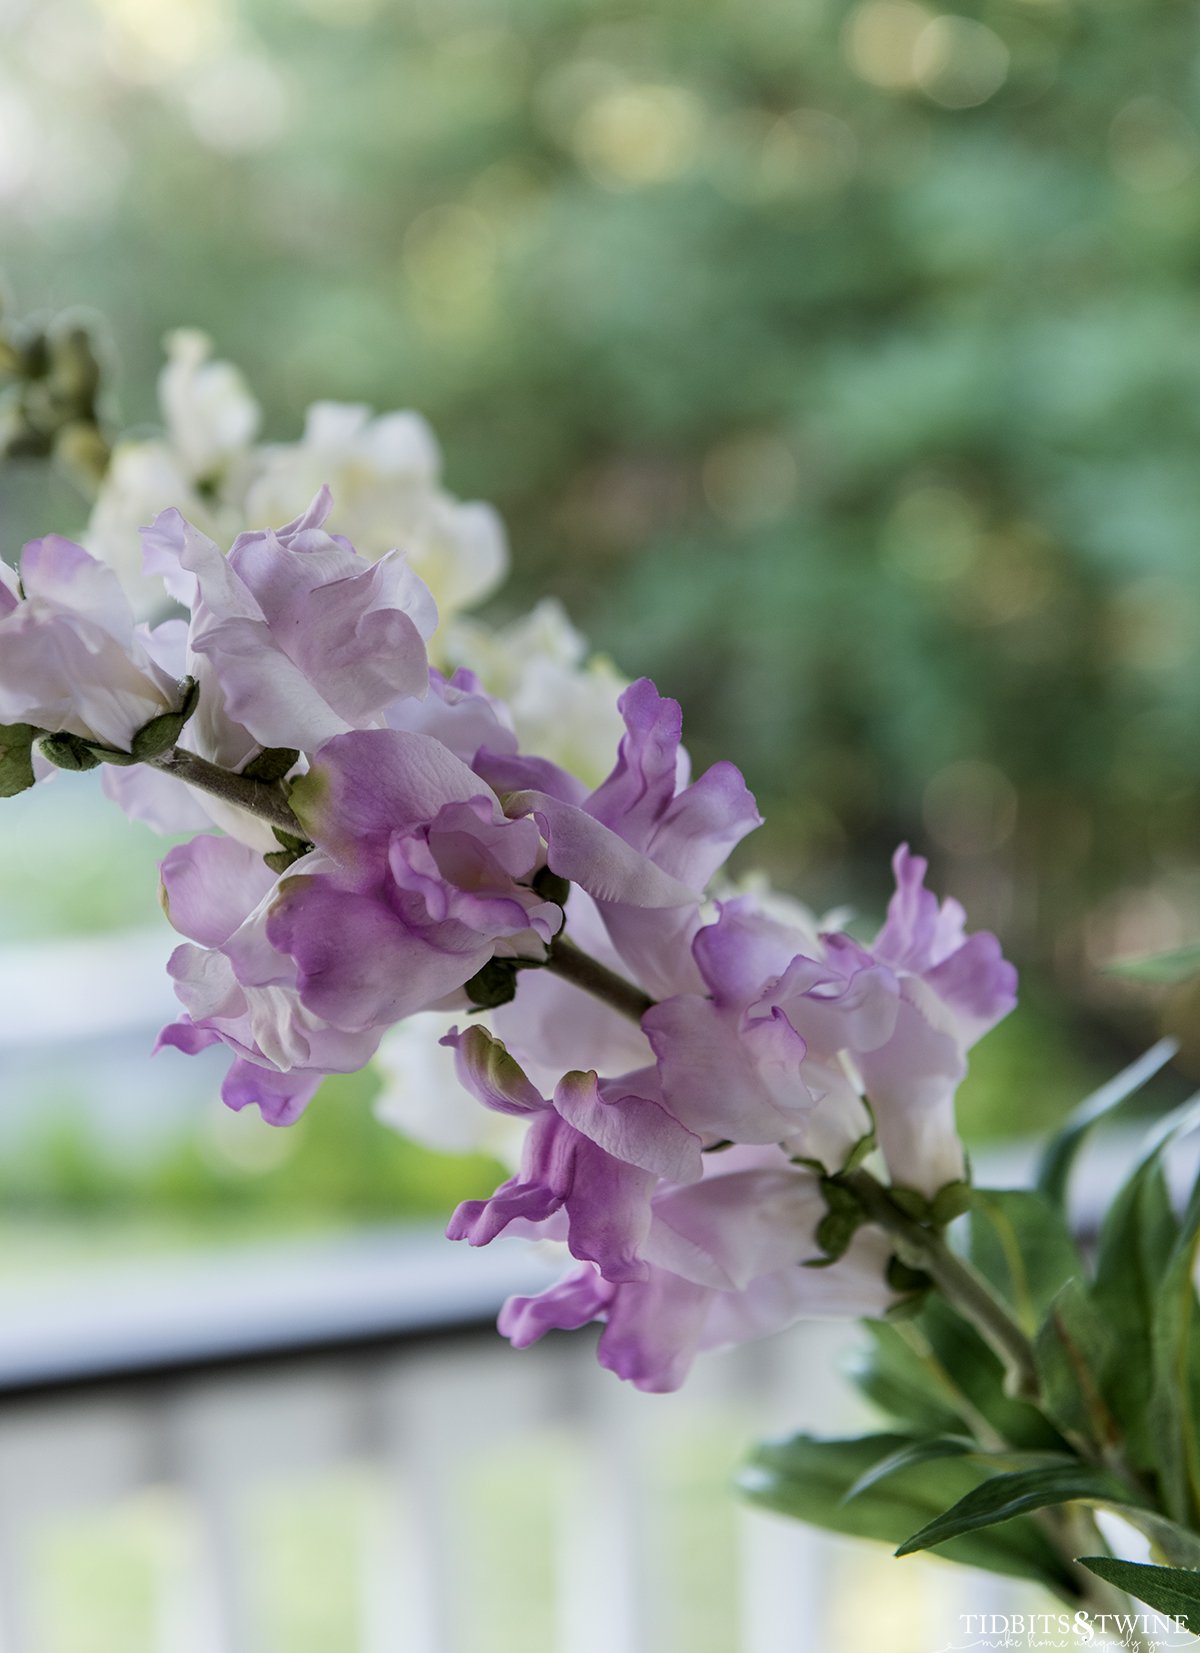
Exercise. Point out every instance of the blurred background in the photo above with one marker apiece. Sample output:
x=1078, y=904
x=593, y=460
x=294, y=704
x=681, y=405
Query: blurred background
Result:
x=837, y=365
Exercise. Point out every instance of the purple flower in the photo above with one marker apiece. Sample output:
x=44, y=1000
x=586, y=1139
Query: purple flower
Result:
x=725, y=1267
x=953, y=988
x=426, y=880
x=595, y=1153
x=794, y=1029
x=71, y=658
x=238, y=990
x=645, y=844
x=307, y=639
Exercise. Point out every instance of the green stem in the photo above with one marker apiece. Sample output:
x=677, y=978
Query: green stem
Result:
x=962, y=1285
x=583, y=971
x=261, y=798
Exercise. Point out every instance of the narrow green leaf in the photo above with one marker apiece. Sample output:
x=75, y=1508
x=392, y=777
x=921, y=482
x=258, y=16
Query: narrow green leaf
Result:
x=1175, y=1346
x=1058, y=1156
x=1180, y=964
x=953, y=1446
x=1137, y=1243
x=1075, y=1350
x=808, y=1480
x=1173, y=1590
x=902, y=1383
x=977, y=1375
x=912, y=1452
x=1019, y=1241
x=1005, y=1496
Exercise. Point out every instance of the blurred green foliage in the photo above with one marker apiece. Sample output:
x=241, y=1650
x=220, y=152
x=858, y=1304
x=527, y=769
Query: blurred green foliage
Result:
x=839, y=366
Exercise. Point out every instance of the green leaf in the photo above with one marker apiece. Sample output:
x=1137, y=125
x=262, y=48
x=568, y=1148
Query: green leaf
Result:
x=1058, y=1156
x=1180, y=964
x=1019, y=1493
x=1018, y=1240
x=913, y=1452
x=1137, y=1242
x=972, y=1369
x=903, y=1382
x=952, y=1446
x=810, y=1479
x=1075, y=1351
x=16, y=758
x=1175, y=1350
x=1173, y=1590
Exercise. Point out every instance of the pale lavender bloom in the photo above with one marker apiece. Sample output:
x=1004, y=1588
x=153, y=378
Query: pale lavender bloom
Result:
x=71, y=658
x=240, y=991
x=427, y=880
x=645, y=843
x=793, y=1030
x=754, y=1058
x=726, y=1265
x=460, y=713
x=305, y=637
x=953, y=989
x=595, y=1153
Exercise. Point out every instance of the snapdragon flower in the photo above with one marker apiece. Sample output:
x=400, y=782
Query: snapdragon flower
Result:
x=306, y=639
x=238, y=989
x=794, y=1029
x=726, y=1265
x=385, y=474
x=72, y=660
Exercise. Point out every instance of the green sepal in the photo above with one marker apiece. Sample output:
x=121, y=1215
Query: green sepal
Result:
x=496, y=983
x=951, y=1200
x=68, y=752
x=161, y=733
x=16, y=758
x=843, y=1218
x=550, y=886
x=913, y=1203
x=905, y=1279
x=279, y=860
x=272, y=764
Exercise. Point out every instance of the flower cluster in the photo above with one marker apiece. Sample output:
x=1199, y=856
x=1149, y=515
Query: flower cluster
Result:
x=377, y=840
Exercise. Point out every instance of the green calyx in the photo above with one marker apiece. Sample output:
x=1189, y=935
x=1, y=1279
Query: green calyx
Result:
x=279, y=860
x=551, y=887
x=496, y=983
x=73, y=752
x=16, y=758
x=69, y=752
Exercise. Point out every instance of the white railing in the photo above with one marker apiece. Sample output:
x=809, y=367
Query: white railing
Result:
x=326, y=1449
x=496, y=1500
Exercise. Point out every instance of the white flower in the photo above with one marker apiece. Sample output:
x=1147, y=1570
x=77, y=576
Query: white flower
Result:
x=210, y=415
x=424, y=1099
x=384, y=476
x=563, y=704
